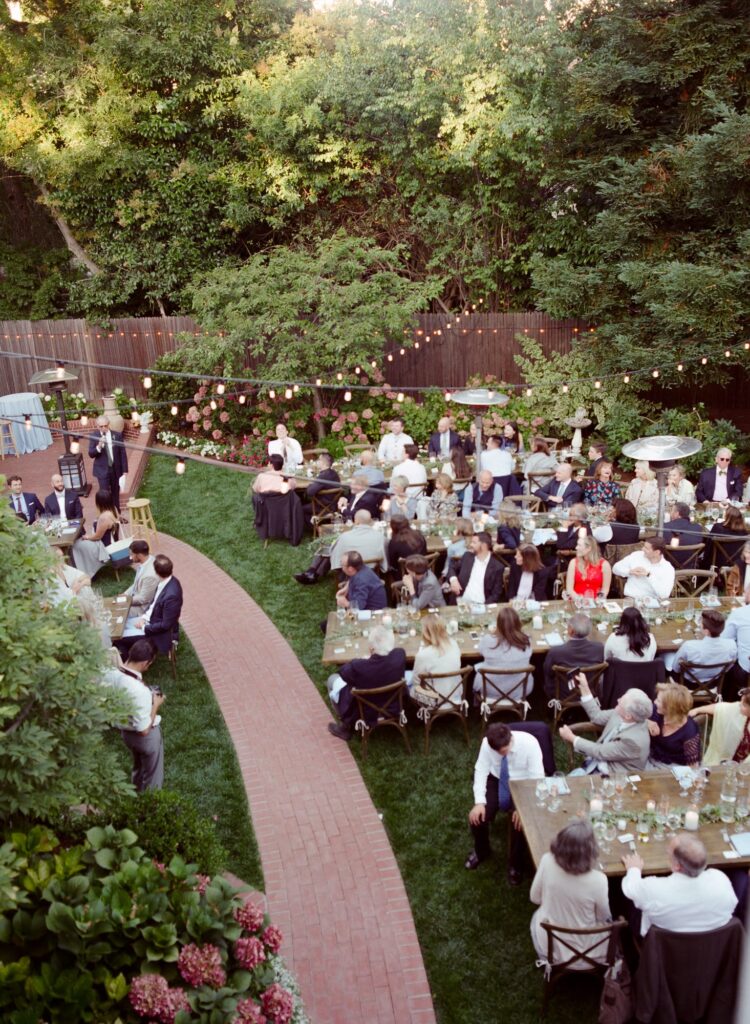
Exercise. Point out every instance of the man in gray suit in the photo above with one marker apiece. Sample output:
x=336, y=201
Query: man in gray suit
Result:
x=143, y=588
x=624, y=743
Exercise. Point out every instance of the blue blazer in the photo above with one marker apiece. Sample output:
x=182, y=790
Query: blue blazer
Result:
x=73, y=508
x=573, y=494
x=433, y=447
x=707, y=481
x=164, y=625
x=34, y=507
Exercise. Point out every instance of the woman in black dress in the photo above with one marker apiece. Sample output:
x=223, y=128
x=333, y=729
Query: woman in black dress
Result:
x=675, y=737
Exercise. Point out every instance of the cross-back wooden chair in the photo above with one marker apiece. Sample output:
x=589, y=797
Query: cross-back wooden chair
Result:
x=495, y=698
x=323, y=507
x=579, y=958
x=691, y=582
x=704, y=691
x=451, y=705
x=684, y=556
x=726, y=552
x=567, y=693
x=528, y=502
x=383, y=716
x=431, y=557
x=355, y=449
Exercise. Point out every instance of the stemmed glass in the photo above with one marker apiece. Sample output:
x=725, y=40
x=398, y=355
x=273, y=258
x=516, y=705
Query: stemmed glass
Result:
x=660, y=818
x=620, y=786
x=553, y=802
x=541, y=792
x=686, y=781
x=742, y=809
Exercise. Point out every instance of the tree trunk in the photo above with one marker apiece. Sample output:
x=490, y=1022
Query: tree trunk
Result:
x=79, y=256
x=317, y=406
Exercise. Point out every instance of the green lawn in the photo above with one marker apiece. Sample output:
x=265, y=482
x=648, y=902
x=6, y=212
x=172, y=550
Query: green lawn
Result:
x=473, y=927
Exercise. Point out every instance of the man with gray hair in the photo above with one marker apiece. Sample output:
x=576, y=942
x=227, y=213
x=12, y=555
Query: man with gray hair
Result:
x=386, y=664
x=107, y=449
x=363, y=537
x=722, y=482
x=692, y=899
x=624, y=743
x=578, y=652
x=361, y=495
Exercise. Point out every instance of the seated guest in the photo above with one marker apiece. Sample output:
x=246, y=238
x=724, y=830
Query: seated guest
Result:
x=90, y=551
x=413, y=470
x=25, y=504
x=368, y=469
x=443, y=440
x=642, y=490
x=737, y=580
x=68, y=582
x=361, y=495
x=540, y=465
x=288, y=448
x=648, y=573
x=160, y=623
x=675, y=738
x=437, y=653
x=386, y=664
x=622, y=527
x=272, y=479
x=624, y=743
x=503, y=756
x=90, y=609
x=528, y=577
x=363, y=537
x=363, y=589
x=143, y=588
x=400, y=502
x=326, y=478
x=498, y=461
x=576, y=652
x=479, y=579
x=571, y=893
x=730, y=732
x=484, y=496
x=575, y=526
x=710, y=649
x=679, y=487
x=722, y=482
x=420, y=584
x=631, y=641
x=458, y=547
x=732, y=535
x=443, y=502
x=509, y=526
x=680, y=532
x=602, y=489
x=457, y=468
x=469, y=441
x=405, y=541
x=511, y=437
x=589, y=575
x=391, y=447
x=597, y=455
x=62, y=503
x=693, y=898
x=141, y=732
x=506, y=647
x=737, y=628
x=563, y=491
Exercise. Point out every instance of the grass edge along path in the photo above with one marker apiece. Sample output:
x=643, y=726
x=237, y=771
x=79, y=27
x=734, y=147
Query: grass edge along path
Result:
x=473, y=928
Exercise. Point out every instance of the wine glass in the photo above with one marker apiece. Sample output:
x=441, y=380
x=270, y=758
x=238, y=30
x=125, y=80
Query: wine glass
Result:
x=643, y=828
x=553, y=802
x=610, y=834
x=341, y=615
x=541, y=792
x=674, y=821
x=742, y=809
x=686, y=781
x=620, y=786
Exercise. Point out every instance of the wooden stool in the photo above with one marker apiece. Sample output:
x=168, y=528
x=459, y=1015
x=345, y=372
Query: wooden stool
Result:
x=7, y=437
x=142, y=523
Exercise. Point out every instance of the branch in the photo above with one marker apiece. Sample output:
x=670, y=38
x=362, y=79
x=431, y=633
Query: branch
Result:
x=21, y=718
x=79, y=256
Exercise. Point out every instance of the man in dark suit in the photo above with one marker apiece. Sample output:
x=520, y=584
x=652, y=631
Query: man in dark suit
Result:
x=480, y=576
x=107, y=450
x=723, y=482
x=597, y=454
x=25, y=504
x=386, y=664
x=160, y=623
x=361, y=496
x=443, y=440
x=61, y=502
x=563, y=491
x=325, y=478
x=680, y=528
x=577, y=652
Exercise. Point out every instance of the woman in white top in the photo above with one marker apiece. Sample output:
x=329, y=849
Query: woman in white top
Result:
x=506, y=647
x=437, y=653
x=570, y=892
x=679, y=488
x=631, y=641
x=642, y=490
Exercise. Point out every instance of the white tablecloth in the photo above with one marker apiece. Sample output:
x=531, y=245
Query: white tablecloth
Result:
x=15, y=408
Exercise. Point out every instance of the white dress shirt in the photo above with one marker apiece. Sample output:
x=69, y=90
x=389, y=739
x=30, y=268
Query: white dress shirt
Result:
x=474, y=591
x=720, y=486
x=658, y=583
x=141, y=696
x=162, y=584
x=60, y=499
x=498, y=461
x=289, y=449
x=414, y=472
x=524, y=762
x=391, y=447
x=680, y=903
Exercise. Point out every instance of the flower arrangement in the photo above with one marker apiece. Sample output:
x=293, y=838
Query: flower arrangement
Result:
x=75, y=405
x=126, y=404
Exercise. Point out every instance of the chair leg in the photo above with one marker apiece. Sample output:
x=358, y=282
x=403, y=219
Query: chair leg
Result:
x=427, y=736
x=465, y=724
x=405, y=734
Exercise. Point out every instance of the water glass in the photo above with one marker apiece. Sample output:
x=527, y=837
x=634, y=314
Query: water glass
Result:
x=541, y=792
x=643, y=829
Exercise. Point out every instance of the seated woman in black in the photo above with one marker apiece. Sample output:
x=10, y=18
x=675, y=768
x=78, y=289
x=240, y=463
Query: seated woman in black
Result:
x=509, y=526
x=404, y=541
x=675, y=738
x=622, y=527
x=528, y=577
x=731, y=534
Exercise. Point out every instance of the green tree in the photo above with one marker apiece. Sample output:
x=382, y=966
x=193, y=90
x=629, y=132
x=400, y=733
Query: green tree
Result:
x=54, y=712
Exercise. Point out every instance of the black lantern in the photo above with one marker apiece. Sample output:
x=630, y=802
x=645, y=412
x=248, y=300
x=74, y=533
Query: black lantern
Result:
x=73, y=471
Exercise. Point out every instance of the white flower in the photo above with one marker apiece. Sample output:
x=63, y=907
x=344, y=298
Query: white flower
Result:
x=117, y=391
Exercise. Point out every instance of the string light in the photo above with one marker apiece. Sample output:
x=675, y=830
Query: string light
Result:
x=357, y=369
x=220, y=389
x=271, y=393
x=174, y=410
x=680, y=367
x=448, y=396
x=75, y=447
x=704, y=360
x=626, y=379
x=180, y=467
x=746, y=346
x=61, y=371
x=416, y=344
x=288, y=393
x=390, y=357
x=347, y=396
x=565, y=389
x=728, y=354
x=400, y=396
x=374, y=364
x=529, y=392
x=84, y=420
x=339, y=376
x=27, y=421
x=597, y=384
x=213, y=405
x=241, y=399
x=655, y=373
x=147, y=382
x=318, y=382
x=402, y=351
x=295, y=389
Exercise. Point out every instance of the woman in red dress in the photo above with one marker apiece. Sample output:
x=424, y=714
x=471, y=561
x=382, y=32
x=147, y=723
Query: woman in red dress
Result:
x=589, y=575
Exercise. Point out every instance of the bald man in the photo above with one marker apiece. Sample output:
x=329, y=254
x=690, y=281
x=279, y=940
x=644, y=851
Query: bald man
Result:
x=443, y=440
x=61, y=502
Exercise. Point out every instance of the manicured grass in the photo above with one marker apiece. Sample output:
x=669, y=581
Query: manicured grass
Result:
x=199, y=757
x=473, y=927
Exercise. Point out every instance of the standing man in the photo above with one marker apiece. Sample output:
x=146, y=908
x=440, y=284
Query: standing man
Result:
x=61, y=502
x=25, y=504
x=107, y=450
x=142, y=733
x=443, y=440
x=647, y=571
x=503, y=755
x=391, y=447
x=288, y=448
x=723, y=482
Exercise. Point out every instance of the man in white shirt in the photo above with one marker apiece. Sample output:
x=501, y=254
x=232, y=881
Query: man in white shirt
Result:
x=738, y=629
x=391, y=447
x=61, y=503
x=142, y=731
x=648, y=573
x=692, y=899
x=288, y=448
x=498, y=461
x=711, y=649
x=413, y=470
x=503, y=755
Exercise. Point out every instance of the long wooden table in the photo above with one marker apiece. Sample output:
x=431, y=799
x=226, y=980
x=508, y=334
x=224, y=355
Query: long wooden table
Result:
x=347, y=640
x=540, y=825
x=69, y=533
x=437, y=537
x=118, y=607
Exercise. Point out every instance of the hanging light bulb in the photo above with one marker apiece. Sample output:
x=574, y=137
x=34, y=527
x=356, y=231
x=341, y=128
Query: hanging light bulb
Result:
x=339, y=376
x=271, y=393
x=180, y=467
x=680, y=367
x=295, y=389
x=213, y=405
x=626, y=379
x=60, y=370
x=318, y=382
x=135, y=417
x=597, y=384
x=347, y=396
x=220, y=389
x=374, y=362
x=75, y=447
x=565, y=389
x=448, y=396
x=747, y=346
x=727, y=353
x=390, y=357
x=416, y=344
x=357, y=369
x=147, y=382
x=402, y=351
x=529, y=392
x=400, y=396
x=288, y=393
x=655, y=373
x=704, y=360
x=241, y=399
x=174, y=410
x=84, y=420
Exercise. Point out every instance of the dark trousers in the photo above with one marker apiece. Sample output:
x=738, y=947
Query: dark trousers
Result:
x=734, y=681
x=320, y=565
x=111, y=483
x=148, y=758
x=481, y=833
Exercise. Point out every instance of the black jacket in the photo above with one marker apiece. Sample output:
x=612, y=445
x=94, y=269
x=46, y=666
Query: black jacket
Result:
x=539, y=587
x=574, y=653
x=369, y=674
x=73, y=508
x=493, y=577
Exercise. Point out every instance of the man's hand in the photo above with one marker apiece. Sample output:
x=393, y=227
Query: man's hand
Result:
x=633, y=860
x=408, y=583
x=477, y=814
x=342, y=600
x=516, y=819
x=583, y=684
x=157, y=701
x=639, y=571
x=566, y=733
x=342, y=503
x=455, y=585
x=139, y=623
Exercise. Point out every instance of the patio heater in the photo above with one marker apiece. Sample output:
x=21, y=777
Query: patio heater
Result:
x=479, y=399
x=661, y=452
x=71, y=465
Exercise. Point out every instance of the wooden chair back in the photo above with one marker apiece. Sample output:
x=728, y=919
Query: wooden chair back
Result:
x=529, y=502
x=323, y=506
x=383, y=716
x=684, y=556
x=453, y=704
x=567, y=694
x=691, y=582
x=496, y=700
x=579, y=958
x=704, y=691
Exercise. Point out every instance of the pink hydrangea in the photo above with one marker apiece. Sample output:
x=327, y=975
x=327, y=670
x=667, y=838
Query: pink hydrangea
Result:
x=256, y=432
x=248, y=1012
x=272, y=938
x=337, y=425
x=250, y=916
x=367, y=414
x=192, y=414
x=159, y=867
x=348, y=438
x=202, y=885
x=277, y=1004
x=299, y=423
x=249, y=952
x=217, y=434
x=224, y=416
x=207, y=424
x=206, y=410
x=201, y=965
x=150, y=997
x=352, y=417
x=179, y=1000
x=196, y=427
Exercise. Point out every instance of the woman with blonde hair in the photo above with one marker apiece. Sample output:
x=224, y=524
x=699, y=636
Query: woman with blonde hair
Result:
x=589, y=574
x=675, y=737
x=730, y=733
x=540, y=464
x=442, y=503
x=642, y=489
x=679, y=487
x=437, y=653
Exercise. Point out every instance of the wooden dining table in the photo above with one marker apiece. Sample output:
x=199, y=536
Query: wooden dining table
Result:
x=437, y=535
x=540, y=825
x=118, y=608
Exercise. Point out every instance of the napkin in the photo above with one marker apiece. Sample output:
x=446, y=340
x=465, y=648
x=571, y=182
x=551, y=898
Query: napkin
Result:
x=554, y=639
x=741, y=842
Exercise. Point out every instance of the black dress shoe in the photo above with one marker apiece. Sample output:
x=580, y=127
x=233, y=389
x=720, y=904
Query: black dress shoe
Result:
x=514, y=876
x=306, y=578
x=472, y=862
x=339, y=730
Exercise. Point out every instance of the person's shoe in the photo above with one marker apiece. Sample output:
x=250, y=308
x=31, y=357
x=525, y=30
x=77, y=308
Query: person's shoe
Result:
x=306, y=578
x=472, y=862
x=336, y=729
x=514, y=876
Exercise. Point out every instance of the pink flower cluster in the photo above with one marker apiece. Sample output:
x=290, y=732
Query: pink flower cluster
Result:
x=249, y=952
x=202, y=885
x=277, y=1004
x=272, y=938
x=250, y=916
x=151, y=996
x=248, y=1012
x=201, y=965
